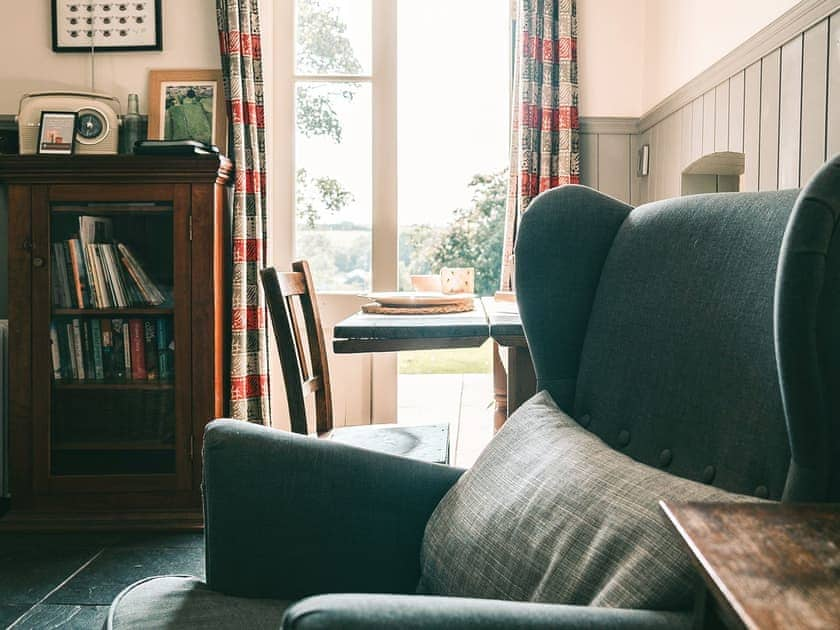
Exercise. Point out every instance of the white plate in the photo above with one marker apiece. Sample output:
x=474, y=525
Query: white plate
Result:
x=417, y=298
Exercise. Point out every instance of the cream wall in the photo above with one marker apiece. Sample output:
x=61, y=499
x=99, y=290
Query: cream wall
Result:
x=189, y=41
x=610, y=43
x=684, y=37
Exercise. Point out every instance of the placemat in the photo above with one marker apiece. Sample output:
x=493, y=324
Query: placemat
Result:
x=376, y=308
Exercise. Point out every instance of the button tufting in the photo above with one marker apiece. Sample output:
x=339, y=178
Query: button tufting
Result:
x=709, y=474
x=665, y=457
x=761, y=492
x=623, y=437
x=584, y=420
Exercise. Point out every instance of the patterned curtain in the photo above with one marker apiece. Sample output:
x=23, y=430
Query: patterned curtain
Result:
x=239, y=38
x=544, y=113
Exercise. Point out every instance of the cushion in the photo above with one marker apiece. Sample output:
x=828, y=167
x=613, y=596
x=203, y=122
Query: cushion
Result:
x=550, y=513
x=182, y=601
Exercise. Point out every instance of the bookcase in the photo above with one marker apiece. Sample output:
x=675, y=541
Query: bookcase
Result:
x=118, y=311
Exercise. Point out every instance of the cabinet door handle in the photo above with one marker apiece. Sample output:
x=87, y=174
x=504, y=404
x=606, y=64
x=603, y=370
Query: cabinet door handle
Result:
x=38, y=261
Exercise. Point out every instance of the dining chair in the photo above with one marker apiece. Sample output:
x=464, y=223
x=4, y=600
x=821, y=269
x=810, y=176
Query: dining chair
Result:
x=296, y=320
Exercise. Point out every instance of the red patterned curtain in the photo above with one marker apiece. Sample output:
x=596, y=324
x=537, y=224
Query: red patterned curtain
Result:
x=544, y=126
x=239, y=37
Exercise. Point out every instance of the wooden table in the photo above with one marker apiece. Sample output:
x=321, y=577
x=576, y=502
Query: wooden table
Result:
x=763, y=565
x=514, y=380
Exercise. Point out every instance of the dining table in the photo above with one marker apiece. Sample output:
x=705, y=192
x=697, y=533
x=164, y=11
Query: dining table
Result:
x=513, y=373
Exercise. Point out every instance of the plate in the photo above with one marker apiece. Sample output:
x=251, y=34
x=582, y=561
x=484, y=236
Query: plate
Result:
x=418, y=298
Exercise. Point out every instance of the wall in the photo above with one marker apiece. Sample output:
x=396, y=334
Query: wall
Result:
x=189, y=41
x=610, y=45
x=782, y=111
x=683, y=38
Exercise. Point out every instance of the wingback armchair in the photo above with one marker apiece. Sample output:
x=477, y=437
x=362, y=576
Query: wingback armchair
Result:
x=696, y=335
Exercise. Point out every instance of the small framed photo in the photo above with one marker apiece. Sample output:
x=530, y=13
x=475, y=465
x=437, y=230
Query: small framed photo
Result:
x=188, y=105
x=79, y=25
x=643, y=167
x=57, y=132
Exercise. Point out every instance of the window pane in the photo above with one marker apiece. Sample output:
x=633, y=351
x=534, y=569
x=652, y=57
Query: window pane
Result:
x=453, y=137
x=333, y=183
x=333, y=37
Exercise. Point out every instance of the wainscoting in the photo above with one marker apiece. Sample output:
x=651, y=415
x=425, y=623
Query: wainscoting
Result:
x=768, y=113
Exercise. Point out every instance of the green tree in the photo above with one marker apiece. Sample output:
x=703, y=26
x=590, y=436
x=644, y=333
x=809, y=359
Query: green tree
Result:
x=474, y=236
x=323, y=48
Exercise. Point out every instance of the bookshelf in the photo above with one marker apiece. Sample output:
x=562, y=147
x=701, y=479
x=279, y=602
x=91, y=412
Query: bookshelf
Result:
x=118, y=312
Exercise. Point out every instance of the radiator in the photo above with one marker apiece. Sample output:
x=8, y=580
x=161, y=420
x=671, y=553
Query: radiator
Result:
x=4, y=408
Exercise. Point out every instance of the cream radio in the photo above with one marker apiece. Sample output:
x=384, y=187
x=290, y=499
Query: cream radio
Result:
x=97, y=126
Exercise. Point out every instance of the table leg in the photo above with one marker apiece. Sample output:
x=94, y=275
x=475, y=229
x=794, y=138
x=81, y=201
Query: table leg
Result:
x=499, y=388
x=521, y=380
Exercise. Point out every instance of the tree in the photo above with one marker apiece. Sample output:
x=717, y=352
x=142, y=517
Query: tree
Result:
x=474, y=237
x=322, y=48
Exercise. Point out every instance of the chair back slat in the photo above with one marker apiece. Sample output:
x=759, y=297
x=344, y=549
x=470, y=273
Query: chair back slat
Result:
x=300, y=344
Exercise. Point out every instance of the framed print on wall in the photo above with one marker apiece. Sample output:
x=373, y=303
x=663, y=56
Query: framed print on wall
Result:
x=188, y=105
x=79, y=25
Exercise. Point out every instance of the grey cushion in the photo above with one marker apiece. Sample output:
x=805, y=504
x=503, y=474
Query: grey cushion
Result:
x=549, y=513
x=179, y=601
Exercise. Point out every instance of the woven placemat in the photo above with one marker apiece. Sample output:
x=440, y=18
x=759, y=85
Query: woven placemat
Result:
x=457, y=307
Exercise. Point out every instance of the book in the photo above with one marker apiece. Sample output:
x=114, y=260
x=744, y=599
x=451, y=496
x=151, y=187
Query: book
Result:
x=118, y=371
x=77, y=351
x=107, y=349
x=138, y=349
x=150, y=291
x=71, y=350
x=80, y=275
x=95, y=229
x=96, y=342
x=69, y=288
x=151, y=349
x=112, y=267
x=165, y=358
x=55, y=352
x=96, y=289
x=126, y=342
x=87, y=351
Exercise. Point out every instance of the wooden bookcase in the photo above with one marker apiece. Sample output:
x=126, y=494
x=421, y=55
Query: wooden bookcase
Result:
x=105, y=447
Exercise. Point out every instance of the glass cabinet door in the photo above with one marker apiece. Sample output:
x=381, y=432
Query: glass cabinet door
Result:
x=113, y=406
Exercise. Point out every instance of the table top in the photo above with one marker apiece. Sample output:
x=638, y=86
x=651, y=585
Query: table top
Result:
x=768, y=565
x=366, y=332
x=503, y=320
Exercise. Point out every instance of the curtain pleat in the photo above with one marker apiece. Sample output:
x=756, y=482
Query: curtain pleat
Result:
x=544, y=146
x=239, y=39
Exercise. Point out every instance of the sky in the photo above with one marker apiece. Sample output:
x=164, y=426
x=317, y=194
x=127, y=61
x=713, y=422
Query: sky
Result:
x=452, y=101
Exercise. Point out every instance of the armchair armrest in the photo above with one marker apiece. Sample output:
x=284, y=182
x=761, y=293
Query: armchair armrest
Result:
x=416, y=612
x=288, y=516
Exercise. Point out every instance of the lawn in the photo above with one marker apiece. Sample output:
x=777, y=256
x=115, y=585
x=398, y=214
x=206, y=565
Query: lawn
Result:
x=459, y=361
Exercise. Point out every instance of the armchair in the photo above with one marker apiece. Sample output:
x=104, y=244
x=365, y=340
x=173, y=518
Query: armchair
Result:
x=697, y=335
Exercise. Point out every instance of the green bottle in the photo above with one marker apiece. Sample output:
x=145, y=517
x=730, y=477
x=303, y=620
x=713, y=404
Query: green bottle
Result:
x=131, y=123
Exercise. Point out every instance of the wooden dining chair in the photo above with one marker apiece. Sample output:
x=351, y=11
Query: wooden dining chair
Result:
x=293, y=308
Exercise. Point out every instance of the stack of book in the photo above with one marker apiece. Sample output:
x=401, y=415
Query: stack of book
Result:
x=112, y=350
x=94, y=271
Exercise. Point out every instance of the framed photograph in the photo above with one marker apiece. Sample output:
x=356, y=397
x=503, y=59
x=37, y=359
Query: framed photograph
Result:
x=188, y=105
x=79, y=25
x=57, y=132
x=643, y=166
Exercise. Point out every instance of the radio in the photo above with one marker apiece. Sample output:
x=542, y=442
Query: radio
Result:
x=97, y=125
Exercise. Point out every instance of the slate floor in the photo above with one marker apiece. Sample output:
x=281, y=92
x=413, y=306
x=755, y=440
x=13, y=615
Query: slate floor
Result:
x=69, y=580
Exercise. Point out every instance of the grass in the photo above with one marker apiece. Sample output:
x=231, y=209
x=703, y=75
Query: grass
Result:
x=458, y=361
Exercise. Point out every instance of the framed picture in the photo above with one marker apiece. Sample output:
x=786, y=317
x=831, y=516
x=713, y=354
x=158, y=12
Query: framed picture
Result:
x=643, y=167
x=188, y=105
x=57, y=132
x=79, y=25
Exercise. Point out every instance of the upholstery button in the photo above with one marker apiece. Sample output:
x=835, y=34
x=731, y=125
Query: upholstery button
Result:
x=623, y=437
x=761, y=492
x=584, y=420
x=665, y=457
x=709, y=474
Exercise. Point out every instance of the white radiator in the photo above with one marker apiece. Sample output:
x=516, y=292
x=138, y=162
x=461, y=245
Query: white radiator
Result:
x=4, y=408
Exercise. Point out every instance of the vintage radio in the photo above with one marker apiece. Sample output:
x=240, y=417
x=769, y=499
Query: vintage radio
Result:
x=97, y=126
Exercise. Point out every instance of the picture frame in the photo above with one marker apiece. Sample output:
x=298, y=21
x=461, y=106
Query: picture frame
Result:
x=643, y=165
x=57, y=133
x=82, y=25
x=176, y=101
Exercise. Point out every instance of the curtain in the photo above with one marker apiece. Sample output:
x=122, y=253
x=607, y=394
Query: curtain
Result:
x=544, y=113
x=239, y=39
